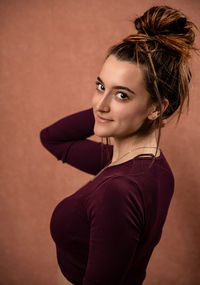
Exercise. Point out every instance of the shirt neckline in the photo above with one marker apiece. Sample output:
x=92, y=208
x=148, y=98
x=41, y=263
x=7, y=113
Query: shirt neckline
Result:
x=142, y=156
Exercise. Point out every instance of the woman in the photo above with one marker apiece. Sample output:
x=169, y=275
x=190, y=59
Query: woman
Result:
x=105, y=232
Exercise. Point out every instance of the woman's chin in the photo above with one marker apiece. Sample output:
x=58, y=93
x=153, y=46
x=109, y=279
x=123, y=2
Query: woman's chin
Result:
x=101, y=133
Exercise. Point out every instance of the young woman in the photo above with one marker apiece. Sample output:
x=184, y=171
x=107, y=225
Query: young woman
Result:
x=105, y=232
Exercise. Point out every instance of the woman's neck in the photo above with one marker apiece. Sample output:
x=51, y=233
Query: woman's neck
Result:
x=126, y=148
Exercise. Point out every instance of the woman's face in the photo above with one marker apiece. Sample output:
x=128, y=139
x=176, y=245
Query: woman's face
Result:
x=120, y=99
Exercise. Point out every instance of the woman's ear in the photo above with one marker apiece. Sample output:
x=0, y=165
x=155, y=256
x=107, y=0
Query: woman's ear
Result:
x=155, y=113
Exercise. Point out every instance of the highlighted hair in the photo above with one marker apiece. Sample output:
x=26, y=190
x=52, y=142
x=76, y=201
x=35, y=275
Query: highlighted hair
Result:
x=162, y=47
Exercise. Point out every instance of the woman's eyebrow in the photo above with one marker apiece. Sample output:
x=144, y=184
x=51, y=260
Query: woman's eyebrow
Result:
x=118, y=86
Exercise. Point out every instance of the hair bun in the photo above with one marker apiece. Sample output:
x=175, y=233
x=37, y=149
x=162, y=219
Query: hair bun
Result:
x=163, y=20
x=169, y=27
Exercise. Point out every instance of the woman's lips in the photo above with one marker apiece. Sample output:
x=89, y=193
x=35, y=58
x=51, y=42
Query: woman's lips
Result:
x=103, y=120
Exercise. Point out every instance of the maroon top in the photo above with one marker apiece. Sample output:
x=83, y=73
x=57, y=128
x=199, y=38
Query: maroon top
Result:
x=106, y=231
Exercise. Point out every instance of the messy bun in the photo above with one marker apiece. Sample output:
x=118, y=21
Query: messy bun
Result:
x=168, y=26
x=162, y=20
x=162, y=47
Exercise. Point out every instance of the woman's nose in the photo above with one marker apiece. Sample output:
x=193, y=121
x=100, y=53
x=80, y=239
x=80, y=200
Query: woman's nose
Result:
x=103, y=104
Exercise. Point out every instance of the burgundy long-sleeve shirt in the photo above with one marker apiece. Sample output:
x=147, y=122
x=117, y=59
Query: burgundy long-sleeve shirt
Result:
x=106, y=231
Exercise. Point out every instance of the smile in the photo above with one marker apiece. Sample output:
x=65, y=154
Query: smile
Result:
x=102, y=120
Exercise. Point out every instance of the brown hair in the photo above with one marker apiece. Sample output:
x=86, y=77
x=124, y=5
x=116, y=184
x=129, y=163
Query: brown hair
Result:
x=162, y=47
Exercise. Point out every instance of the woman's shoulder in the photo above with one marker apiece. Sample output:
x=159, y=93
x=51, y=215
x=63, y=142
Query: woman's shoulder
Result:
x=152, y=177
x=117, y=193
x=118, y=186
x=146, y=167
x=134, y=177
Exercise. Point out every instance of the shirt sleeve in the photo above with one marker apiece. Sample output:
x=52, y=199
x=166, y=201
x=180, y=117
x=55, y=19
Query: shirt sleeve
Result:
x=116, y=220
x=67, y=140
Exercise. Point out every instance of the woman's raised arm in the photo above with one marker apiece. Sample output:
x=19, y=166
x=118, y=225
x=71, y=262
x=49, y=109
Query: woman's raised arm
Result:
x=67, y=140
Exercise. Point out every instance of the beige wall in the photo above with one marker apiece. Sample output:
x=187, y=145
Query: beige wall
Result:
x=50, y=54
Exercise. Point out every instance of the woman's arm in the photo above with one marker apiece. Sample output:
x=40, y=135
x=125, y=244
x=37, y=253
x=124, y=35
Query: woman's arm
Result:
x=67, y=140
x=116, y=220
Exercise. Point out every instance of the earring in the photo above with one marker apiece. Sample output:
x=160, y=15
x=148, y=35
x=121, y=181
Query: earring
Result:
x=154, y=115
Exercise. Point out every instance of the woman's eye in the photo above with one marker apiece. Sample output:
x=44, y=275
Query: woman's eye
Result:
x=122, y=96
x=99, y=87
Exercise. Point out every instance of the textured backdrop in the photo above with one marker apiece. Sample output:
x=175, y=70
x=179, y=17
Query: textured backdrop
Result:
x=50, y=54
